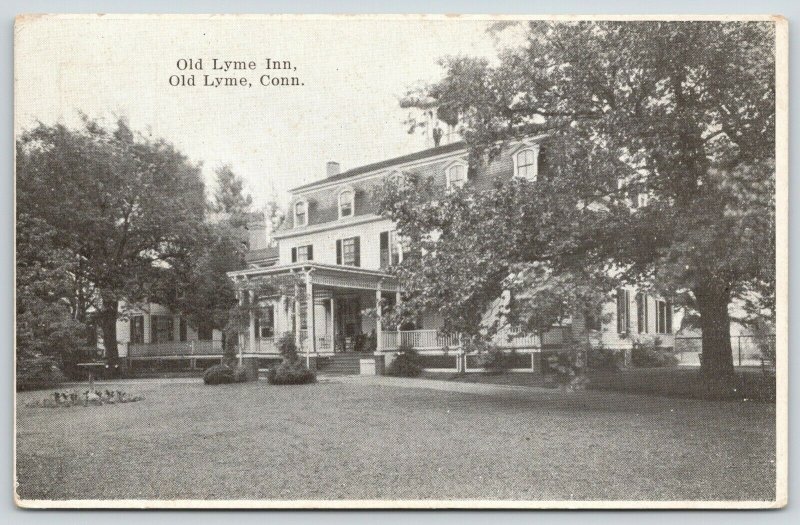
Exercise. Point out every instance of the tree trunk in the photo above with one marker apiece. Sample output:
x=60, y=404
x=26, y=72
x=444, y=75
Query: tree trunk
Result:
x=108, y=324
x=717, y=356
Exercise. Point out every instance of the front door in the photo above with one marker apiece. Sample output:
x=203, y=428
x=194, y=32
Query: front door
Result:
x=348, y=322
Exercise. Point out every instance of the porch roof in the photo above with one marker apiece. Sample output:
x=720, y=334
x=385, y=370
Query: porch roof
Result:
x=334, y=276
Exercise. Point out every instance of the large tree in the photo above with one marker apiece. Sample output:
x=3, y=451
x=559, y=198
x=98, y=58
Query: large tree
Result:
x=207, y=294
x=49, y=332
x=681, y=112
x=125, y=208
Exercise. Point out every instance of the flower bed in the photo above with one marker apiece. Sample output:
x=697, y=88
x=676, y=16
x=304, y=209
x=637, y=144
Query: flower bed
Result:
x=73, y=398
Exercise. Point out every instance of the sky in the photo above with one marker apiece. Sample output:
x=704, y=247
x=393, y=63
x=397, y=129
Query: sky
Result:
x=353, y=71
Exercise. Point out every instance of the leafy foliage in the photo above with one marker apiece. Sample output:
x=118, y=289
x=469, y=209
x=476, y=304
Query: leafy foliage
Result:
x=49, y=335
x=683, y=113
x=644, y=356
x=496, y=361
x=287, y=347
x=602, y=358
x=124, y=209
x=406, y=363
x=35, y=370
x=230, y=199
x=291, y=373
x=218, y=375
x=245, y=372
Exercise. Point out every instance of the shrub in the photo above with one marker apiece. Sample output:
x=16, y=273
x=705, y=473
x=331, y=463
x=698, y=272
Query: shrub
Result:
x=291, y=373
x=218, y=375
x=287, y=347
x=649, y=357
x=241, y=374
x=568, y=369
x=605, y=359
x=406, y=364
x=36, y=370
x=496, y=361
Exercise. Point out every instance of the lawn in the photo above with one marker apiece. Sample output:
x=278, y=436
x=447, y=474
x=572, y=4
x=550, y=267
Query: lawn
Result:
x=752, y=384
x=352, y=440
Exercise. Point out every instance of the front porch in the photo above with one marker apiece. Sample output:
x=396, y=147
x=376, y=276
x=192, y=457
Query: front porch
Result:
x=327, y=309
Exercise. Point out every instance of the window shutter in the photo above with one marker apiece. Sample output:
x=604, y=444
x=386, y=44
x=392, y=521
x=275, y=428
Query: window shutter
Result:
x=357, y=251
x=257, y=325
x=646, y=315
x=620, y=311
x=542, y=165
x=627, y=295
x=384, y=249
x=153, y=329
x=339, y=252
x=639, y=313
x=294, y=255
x=310, y=252
x=669, y=318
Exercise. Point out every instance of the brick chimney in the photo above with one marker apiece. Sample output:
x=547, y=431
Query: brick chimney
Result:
x=332, y=168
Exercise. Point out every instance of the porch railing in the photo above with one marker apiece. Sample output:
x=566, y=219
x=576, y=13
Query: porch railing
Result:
x=175, y=349
x=269, y=345
x=418, y=339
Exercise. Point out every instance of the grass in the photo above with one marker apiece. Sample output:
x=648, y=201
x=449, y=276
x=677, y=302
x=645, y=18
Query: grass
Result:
x=752, y=384
x=345, y=440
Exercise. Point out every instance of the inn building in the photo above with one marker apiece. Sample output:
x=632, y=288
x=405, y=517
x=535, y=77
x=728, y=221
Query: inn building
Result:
x=328, y=264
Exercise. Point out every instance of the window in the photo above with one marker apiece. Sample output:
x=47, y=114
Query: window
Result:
x=642, y=200
x=457, y=176
x=346, y=203
x=161, y=329
x=390, y=248
x=526, y=163
x=301, y=214
x=265, y=323
x=663, y=317
x=303, y=253
x=348, y=251
x=182, y=329
x=641, y=313
x=137, y=329
x=623, y=311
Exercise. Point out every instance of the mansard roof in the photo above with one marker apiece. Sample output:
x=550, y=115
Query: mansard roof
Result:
x=411, y=157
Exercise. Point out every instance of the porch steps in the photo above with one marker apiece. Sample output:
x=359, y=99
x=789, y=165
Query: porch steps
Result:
x=345, y=363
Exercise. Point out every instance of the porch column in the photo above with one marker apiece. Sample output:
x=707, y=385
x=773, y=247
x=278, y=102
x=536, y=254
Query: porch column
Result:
x=397, y=301
x=252, y=331
x=333, y=324
x=296, y=326
x=378, y=321
x=310, y=324
x=239, y=334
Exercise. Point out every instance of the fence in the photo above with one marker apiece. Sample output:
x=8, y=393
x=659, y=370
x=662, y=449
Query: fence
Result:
x=748, y=350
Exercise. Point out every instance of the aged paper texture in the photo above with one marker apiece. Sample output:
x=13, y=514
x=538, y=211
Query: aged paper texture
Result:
x=401, y=261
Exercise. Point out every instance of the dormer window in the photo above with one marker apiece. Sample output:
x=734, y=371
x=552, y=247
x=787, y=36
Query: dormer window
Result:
x=301, y=214
x=346, y=203
x=456, y=176
x=526, y=163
